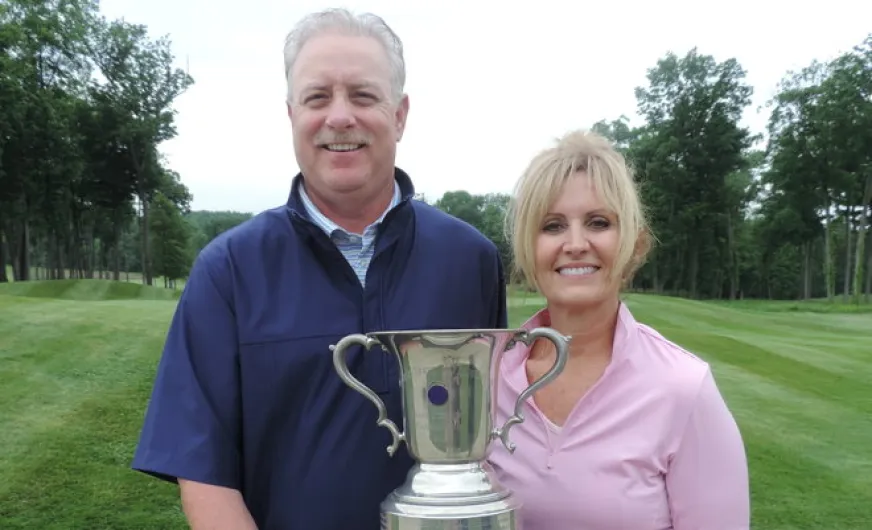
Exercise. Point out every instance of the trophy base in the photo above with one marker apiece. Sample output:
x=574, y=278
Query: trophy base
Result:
x=451, y=497
x=453, y=519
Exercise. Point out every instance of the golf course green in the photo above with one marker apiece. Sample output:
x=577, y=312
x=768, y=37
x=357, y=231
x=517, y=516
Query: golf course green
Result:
x=77, y=359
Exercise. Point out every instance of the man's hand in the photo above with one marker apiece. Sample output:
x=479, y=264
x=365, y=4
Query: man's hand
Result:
x=210, y=507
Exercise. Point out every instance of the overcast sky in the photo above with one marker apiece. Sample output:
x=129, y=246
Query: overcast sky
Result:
x=489, y=85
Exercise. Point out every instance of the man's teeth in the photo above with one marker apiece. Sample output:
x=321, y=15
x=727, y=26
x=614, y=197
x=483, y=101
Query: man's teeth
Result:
x=343, y=147
x=581, y=271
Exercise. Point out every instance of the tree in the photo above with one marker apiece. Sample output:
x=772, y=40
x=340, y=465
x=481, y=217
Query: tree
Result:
x=141, y=82
x=170, y=240
x=78, y=142
x=690, y=146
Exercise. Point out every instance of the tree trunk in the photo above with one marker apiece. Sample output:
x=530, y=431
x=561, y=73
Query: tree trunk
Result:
x=116, y=251
x=140, y=165
x=146, y=248
x=92, y=246
x=846, y=287
x=676, y=279
x=861, y=237
x=693, y=271
x=829, y=268
x=59, y=259
x=23, y=257
x=3, y=259
x=806, y=270
x=869, y=268
x=734, y=261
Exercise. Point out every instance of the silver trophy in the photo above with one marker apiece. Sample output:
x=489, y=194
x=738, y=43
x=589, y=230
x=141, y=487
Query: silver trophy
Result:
x=448, y=380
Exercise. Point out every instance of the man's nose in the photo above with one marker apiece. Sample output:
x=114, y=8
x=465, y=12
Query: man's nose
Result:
x=340, y=114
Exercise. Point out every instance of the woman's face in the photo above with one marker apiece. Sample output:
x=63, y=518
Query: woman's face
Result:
x=576, y=248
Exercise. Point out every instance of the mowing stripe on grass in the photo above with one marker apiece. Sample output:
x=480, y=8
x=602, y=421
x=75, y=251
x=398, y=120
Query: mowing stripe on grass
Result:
x=60, y=358
x=76, y=379
x=787, y=372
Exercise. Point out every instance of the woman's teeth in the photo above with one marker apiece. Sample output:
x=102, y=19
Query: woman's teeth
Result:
x=580, y=271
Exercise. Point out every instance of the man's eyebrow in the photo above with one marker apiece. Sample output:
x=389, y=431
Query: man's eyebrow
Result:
x=311, y=87
x=319, y=86
x=366, y=85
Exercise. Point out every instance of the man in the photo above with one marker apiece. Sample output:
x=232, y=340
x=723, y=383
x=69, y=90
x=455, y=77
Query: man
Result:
x=247, y=412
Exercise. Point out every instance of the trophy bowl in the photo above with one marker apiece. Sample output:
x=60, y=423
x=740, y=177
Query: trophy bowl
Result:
x=449, y=380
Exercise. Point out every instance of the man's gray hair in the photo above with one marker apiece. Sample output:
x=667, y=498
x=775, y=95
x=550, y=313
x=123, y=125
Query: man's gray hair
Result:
x=344, y=21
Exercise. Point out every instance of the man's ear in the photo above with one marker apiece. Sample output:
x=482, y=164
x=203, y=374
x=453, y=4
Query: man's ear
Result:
x=401, y=116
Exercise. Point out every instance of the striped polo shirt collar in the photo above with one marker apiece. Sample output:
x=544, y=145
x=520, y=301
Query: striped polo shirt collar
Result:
x=328, y=226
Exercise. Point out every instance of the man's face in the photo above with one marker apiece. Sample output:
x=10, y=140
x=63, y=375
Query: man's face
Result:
x=345, y=120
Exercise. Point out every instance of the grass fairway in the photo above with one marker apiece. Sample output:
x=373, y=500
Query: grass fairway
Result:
x=76, y=375
x=77, y=361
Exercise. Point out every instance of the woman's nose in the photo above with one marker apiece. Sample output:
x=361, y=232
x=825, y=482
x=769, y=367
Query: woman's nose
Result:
x=576, y=241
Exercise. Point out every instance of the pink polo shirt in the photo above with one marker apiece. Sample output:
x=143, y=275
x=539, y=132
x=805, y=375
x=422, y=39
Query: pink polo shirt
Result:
x=651, y=446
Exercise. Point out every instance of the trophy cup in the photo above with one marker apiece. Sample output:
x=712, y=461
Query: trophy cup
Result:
x=448, y=380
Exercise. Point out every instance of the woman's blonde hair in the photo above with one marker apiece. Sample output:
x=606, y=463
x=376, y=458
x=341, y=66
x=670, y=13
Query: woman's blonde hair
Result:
x=542, y=182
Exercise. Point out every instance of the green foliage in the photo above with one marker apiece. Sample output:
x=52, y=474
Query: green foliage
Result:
x=85, y=102
x=207, y=225
x=485, y=212
x=170, y=239
x=734, y=219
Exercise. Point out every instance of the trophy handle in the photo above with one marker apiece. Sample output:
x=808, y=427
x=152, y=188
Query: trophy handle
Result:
x=561, y=344
x=339, y=362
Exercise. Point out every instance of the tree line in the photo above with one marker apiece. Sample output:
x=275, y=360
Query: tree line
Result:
x=783, y=215
x=85, y=104
x=742, y=215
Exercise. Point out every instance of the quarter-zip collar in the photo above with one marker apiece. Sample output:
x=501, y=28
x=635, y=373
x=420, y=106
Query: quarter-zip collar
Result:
x=514, y=373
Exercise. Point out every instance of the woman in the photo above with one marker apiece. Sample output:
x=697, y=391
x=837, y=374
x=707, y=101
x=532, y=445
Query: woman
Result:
x=634, y=434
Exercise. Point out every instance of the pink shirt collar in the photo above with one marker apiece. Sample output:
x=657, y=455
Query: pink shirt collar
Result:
x=513, y=361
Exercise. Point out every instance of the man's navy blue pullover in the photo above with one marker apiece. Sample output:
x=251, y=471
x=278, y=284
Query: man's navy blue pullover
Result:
x=246, y=395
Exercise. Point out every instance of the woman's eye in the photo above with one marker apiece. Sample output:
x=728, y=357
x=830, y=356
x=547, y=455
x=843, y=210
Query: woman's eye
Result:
x=551, y=227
